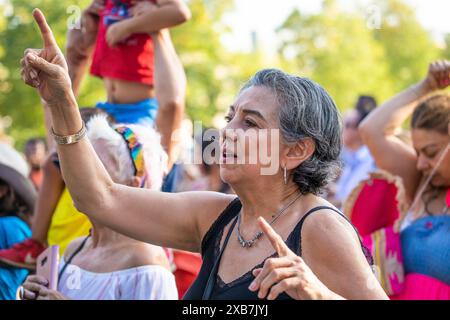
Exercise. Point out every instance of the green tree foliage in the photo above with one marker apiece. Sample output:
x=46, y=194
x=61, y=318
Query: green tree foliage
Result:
x=447, y=46
x=338, y=51
x=197, y=42
x=335, y=48
x=349, y=56
x=204, y=57
x=408, y=46
x=18, y=32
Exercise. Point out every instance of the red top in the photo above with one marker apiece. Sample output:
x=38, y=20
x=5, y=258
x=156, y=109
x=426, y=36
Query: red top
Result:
x=130, y=60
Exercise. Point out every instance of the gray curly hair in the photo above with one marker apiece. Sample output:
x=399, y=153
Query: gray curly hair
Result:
x=306, y=110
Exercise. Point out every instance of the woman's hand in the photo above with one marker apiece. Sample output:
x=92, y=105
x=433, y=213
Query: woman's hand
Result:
x=32, y=286
x=438, y=76
x=48, y=294
x=46, y=69
x=287, y=273
x=35, y=288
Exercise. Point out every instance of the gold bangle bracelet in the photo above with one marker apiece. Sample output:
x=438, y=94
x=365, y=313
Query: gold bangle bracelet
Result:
x=72, y=138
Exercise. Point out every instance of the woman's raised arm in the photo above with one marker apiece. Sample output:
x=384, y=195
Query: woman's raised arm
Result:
x=171, y=220
x=379, y=129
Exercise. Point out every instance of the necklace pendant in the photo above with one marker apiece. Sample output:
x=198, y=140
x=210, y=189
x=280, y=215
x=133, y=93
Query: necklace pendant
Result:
x=245, y=243
x=241, y=241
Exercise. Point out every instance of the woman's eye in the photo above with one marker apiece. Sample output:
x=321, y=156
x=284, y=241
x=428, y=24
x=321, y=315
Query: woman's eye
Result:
x=249, y=123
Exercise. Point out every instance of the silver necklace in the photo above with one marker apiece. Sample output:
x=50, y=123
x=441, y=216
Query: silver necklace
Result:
x=249, y=243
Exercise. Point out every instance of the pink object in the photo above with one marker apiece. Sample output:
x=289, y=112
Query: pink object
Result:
x=447, y=199
x=385, y=247
x=421, y=287
x=375, y=203
x=47, y=266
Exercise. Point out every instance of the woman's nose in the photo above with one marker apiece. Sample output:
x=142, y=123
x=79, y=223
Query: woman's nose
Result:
x=422, y=163
x=228, y=133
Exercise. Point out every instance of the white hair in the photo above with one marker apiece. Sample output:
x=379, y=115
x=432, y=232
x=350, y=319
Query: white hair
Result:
x=112, y=149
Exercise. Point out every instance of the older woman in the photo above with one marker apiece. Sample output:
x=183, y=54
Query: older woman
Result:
x=425, y=171
x=107, y=265
x=223, y=227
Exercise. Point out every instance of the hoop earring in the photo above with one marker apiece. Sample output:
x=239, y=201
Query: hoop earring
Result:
x=285, y=175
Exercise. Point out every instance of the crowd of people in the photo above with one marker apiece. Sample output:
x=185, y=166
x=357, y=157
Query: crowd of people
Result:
x=352, y=211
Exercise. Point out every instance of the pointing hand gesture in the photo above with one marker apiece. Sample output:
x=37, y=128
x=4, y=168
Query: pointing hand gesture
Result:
x=287, y=273
x=46, y=69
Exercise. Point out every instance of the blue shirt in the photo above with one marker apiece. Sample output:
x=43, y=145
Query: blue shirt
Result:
x=426, y=247
x=357, y=166
x=12, y=230
x=142, y=112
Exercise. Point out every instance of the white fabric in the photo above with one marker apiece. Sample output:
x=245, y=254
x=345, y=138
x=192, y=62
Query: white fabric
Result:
x=407, y=221
x=357, y=166
x=150, y=282
x=11, y=158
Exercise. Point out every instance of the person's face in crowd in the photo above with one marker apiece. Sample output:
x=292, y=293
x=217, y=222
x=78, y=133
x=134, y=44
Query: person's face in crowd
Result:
x=351, y=138
x=429, y=145
x=251, y=144
x=35, y=154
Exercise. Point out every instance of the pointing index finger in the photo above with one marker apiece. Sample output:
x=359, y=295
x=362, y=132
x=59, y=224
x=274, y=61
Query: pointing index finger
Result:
x=46, y=32
x=274, y=238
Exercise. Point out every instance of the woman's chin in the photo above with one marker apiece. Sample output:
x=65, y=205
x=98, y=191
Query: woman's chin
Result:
x=229, y=173
x=439, y=182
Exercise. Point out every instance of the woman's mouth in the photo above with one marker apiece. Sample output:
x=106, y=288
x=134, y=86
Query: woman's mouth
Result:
x=228, y=156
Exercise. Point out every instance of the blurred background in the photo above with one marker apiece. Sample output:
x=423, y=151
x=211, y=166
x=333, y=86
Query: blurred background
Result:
x=351, y=47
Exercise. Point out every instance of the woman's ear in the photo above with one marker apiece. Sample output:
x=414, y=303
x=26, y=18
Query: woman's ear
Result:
x=299, y=153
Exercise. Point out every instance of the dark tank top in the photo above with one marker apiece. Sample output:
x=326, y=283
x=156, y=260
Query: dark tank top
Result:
x=211, y=254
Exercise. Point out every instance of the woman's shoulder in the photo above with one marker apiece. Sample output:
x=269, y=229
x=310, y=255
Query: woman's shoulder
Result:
x=207, y=210
x=329, y=232
x=144, y=254
x=72, y=246
x=229, y=207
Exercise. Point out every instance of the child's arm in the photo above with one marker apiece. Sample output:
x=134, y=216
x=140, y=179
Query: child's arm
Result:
x=149, y=18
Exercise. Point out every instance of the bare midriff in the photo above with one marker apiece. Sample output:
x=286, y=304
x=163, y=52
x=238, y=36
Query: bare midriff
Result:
x=120, y=91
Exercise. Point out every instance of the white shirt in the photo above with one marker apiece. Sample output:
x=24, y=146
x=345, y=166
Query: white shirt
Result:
x=150, y=282
x=357, y=166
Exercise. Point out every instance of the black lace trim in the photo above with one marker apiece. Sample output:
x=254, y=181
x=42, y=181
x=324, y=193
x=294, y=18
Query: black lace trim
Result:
x=295, y=247
x=227, y=211
x=222, y=285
